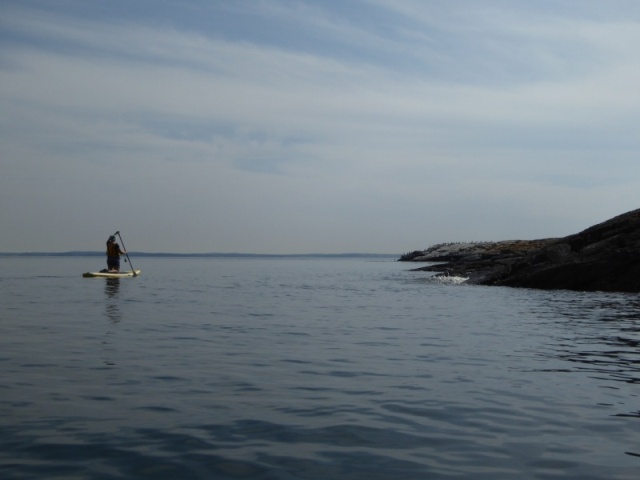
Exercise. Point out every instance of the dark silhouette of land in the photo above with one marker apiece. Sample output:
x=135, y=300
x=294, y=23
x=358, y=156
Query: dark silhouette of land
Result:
x=604, y=257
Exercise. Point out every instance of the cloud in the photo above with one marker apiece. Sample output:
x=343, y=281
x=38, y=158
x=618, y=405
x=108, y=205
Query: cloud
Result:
x=313, y=135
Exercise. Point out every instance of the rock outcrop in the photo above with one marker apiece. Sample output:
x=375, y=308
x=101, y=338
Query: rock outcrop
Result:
x=605, y=257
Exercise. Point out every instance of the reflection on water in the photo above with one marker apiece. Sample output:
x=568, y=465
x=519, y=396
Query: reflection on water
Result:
x=112, y=290
x=112, y=308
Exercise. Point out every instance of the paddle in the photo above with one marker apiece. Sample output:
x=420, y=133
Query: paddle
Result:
x=126, y=253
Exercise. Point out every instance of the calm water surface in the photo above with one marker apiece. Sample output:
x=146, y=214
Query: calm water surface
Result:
x=306, y=368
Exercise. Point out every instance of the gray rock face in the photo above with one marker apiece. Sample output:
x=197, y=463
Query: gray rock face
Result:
x=605, y=257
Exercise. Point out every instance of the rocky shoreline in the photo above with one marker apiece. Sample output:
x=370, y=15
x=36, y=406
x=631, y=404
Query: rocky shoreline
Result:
x=605, y=257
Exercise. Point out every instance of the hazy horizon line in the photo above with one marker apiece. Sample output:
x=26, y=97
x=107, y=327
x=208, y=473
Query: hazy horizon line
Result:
x=91, y=253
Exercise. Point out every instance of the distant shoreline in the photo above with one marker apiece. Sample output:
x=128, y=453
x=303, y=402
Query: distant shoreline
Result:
x=201, y=255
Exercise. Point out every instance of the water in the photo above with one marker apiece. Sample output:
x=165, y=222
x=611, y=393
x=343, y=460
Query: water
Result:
x=307, y=368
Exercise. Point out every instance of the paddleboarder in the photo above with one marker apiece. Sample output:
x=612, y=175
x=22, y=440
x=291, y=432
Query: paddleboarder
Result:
x=113, y=254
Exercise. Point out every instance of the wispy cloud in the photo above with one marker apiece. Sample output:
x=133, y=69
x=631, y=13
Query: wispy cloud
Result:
x=419, y=111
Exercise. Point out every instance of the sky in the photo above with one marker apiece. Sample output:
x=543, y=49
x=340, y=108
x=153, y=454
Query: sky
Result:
x=326, y=126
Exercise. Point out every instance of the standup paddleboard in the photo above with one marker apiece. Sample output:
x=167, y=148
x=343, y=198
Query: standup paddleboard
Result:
x=106, y=274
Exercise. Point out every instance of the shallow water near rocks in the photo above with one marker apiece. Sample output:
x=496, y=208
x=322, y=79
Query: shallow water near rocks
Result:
x=310, y=368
